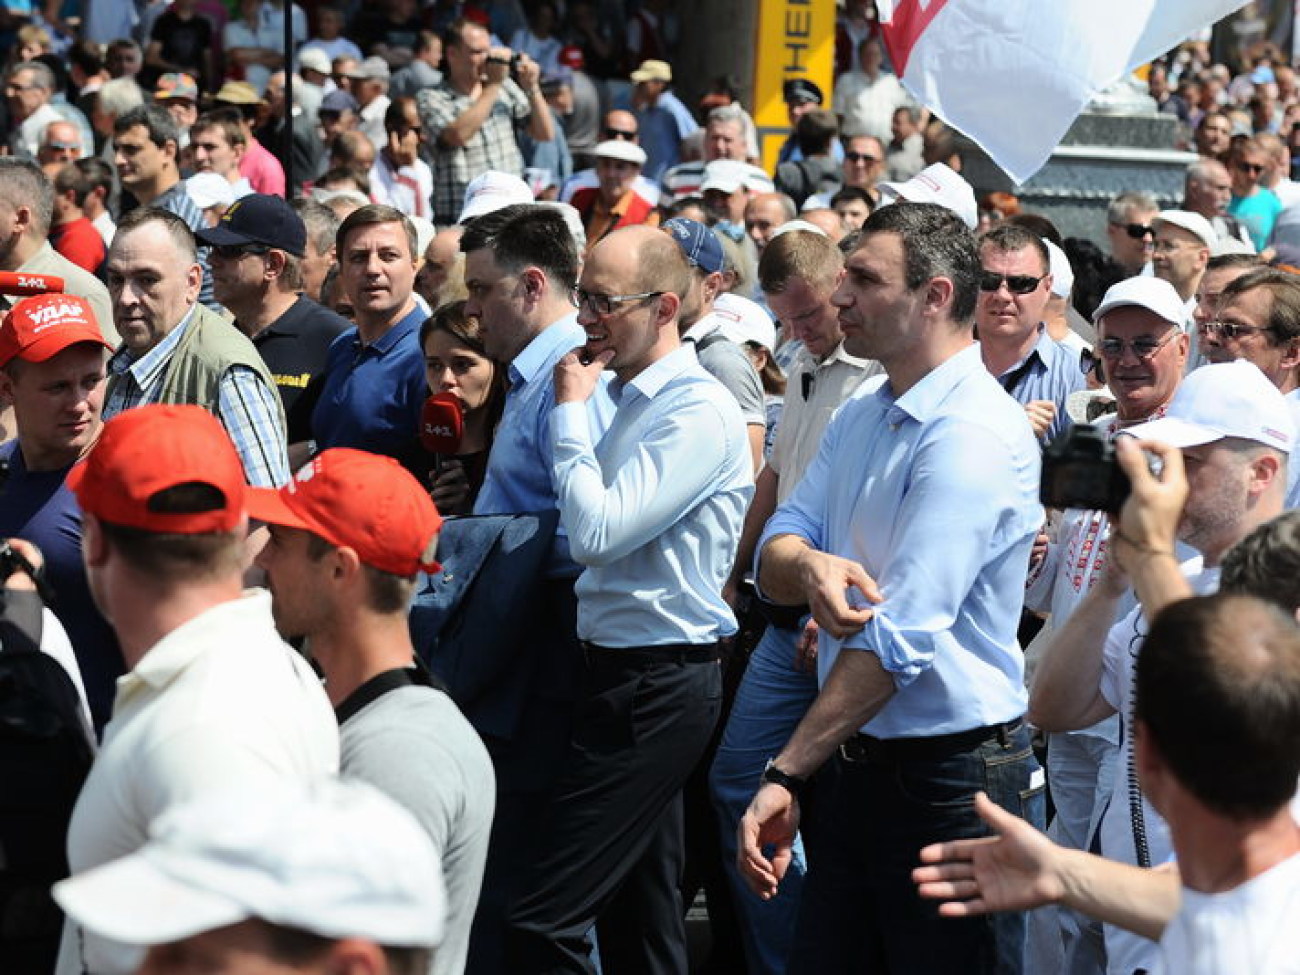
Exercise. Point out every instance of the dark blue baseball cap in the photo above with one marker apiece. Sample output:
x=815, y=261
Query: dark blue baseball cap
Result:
x=258, y=219
x=700, y=245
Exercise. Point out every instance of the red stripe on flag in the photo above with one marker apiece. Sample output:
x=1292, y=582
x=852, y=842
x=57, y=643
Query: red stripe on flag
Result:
x=908, y=24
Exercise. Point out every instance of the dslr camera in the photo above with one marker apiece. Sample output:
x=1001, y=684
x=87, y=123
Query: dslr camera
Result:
x=1080, y=471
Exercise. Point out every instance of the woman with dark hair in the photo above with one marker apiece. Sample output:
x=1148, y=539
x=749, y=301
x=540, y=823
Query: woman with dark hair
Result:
x=455, y=362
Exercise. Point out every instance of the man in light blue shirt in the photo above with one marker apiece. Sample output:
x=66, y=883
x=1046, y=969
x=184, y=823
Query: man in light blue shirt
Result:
x=909, y=536
x=1036, y=370
x=521, y=265
x=654, y=510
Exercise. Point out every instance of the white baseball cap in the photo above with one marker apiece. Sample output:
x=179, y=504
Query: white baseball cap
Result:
x=490, y=191
x=1193, y=223
x=742, y=320
x=209, y=190
x=1225, y=399
x=1062, y=273
x=939, y=184
x=1156, y=295
x=337, y=859
x=315, y=59
x=622, y=150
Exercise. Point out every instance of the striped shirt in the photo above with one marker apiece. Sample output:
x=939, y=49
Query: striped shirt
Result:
x=248, y=410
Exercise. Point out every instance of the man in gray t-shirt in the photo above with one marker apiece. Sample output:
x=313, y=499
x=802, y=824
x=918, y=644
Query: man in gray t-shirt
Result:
x=722, y=358
x=349, y=535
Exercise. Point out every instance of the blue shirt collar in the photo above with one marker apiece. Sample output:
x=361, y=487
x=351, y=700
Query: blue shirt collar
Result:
x=924, y=399
x=540, y=353
x=654, y=377
x=407, y=324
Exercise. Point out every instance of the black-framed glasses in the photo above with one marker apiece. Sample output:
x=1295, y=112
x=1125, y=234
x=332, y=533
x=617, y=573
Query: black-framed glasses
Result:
x=1143, y=347
x=1138, y=231
x=1090, y=362
x=625, y=134
x=233, y=252
x=1232, y=330
x=865, y=157
x=606, y=304
x=1017, y=284
x=1253, y=169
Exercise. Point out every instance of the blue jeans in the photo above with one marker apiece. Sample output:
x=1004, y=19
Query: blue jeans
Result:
x=772, y=699
x=860, y=912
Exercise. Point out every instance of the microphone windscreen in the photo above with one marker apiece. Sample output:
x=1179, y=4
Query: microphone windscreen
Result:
x=22, y=284
x=442, y=422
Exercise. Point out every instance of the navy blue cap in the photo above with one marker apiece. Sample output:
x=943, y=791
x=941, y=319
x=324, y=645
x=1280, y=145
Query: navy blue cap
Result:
x=258, y=219
x=701, y=247
x=338, y=101
x=799, y=90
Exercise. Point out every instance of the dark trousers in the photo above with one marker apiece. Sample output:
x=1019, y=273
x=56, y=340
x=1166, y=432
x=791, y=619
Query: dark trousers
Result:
x=860, y=912
x=610, y=840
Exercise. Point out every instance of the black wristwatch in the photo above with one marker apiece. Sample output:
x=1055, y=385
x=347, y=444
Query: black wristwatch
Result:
x=793, y=784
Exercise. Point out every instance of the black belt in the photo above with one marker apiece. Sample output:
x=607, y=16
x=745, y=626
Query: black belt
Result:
x=677, y=653
x=865, y=748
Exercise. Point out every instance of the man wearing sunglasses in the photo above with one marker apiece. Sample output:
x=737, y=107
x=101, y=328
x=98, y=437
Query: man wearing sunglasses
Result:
x=1142, y=352
x=1128, y=228
x=1254, y=205
x=1015, y=286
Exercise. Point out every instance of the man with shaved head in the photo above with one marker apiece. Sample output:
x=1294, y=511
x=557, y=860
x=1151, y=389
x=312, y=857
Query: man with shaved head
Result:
x=650, y=614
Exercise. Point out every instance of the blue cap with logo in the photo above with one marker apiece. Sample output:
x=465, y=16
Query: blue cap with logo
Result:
x=700, y=245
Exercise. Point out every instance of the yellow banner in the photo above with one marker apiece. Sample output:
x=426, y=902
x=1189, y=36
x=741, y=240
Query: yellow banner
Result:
x=796, y=39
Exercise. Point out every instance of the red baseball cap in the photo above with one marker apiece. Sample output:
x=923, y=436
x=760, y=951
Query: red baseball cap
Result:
x=571, y=56
x=148, y=449
x=362, y=501
x=40, y=327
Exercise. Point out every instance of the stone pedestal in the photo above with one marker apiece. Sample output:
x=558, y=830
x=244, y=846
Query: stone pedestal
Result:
x=1100, y=157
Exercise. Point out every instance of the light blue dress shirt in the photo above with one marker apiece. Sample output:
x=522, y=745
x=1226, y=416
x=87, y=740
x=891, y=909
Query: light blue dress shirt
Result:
x=1053, y=375
x=935, y=494
x=654, y=509
x=519, y=471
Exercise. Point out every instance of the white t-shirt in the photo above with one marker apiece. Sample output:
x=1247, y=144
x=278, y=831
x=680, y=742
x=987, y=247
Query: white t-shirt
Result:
x=1252, y=928
x=1126, y=951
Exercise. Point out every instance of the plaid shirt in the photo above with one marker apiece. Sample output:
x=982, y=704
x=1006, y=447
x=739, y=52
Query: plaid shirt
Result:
x=246, y=408
x=493, y=146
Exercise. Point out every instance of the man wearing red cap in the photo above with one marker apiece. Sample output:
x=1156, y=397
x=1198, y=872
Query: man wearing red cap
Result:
x=213, y=697
x=52, y=370
x=349, y=534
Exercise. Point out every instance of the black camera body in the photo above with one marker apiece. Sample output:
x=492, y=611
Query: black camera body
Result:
x=1080, y=471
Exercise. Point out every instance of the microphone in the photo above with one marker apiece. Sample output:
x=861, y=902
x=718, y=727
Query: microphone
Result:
x=22, y=284
x=442, y=423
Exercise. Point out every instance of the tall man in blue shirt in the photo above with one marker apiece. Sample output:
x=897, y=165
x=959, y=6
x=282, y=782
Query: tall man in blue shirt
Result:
x=909, y=537
x=1035, y=369
x=374, y=384
x=654, y=509
x=521, y=264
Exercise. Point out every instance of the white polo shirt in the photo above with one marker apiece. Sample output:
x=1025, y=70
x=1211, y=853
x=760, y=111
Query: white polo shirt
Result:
x=219, y=701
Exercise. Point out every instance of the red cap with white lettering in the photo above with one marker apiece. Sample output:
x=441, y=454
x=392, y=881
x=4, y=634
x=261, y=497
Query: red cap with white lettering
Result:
x=39, y=328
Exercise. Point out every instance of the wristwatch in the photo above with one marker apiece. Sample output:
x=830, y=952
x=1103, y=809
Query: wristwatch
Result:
x=793, y=784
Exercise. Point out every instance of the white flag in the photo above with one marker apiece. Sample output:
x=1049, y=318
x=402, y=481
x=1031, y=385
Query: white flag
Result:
x=1014, y=74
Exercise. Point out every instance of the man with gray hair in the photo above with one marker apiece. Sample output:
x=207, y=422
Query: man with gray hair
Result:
x=26, y=213
x=1207, y=188
x=322, y=225
x=1129, y=230
x=724, y=138
x=28, y=90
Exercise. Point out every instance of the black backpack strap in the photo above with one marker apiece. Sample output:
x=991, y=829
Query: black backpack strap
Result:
x=22, y=621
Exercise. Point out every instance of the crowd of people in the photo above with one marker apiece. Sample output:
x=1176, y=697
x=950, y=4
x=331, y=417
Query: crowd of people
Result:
x=471, y=510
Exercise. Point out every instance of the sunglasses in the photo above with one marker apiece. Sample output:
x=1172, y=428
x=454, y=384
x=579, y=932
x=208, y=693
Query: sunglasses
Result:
x=1143, y=348
x=1137, y=230
x=865, y=157
x=1090, y=362
x=1254, y=169
x=620, y=134
x=1017, y=284
x=233, y=252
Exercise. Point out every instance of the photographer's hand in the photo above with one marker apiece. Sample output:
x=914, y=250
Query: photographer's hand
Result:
x=19, y=579
x=1144, y=536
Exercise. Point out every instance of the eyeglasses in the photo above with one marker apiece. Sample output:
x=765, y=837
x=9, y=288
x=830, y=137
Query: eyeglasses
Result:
x=1231, y=330
x=1136, y=230
x=10, y=86
x=605, y=304
x=1143, y=347
x=1017, y=284
x=1254, y=169
x=1090, y=362
x=865, y=157
x=233, y=252
x=625, y=134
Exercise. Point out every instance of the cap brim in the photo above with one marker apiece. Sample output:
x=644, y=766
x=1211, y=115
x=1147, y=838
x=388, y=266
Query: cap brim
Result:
x=220, y=236
x=48, y=346
x=1174, y=432
x=130, y=900
x=267, y=504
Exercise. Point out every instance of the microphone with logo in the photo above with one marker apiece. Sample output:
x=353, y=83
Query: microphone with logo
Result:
x=21, y=284
x=442, y=424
